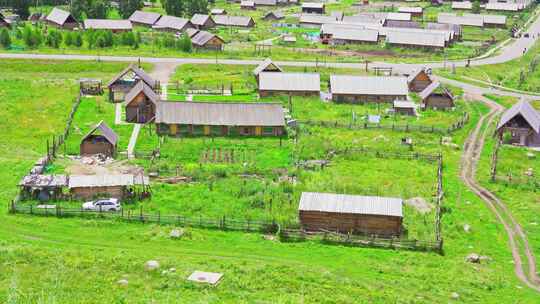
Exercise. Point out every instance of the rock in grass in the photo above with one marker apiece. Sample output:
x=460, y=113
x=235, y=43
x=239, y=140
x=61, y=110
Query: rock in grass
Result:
x=176, y=233
x=467, y=228
x=122, y=282
x=454, y=295
x=530, y=155
x=473, y=258
x=151, y=265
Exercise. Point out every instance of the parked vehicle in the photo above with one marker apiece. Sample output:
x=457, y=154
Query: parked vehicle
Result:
x=110, y=204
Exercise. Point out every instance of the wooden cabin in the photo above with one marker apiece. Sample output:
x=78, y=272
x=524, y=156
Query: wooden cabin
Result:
x=219, y=119
x=203, y=22
x=520, y=125
x=100, y=140
x=266, y=66
x=104, y=186
x=146, y=19
x=292, y=84
x=61, y=19
x=207, y=41
x=122, y=83
x=436, y=96
x=247, y=5
x=370, y=215
x=362, y=89
x=404, y=107
x=274, y=15
x=141, y=103
x=313, y=8
x=419, y=80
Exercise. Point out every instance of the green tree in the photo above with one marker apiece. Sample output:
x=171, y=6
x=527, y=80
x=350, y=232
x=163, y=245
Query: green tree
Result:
x=175, y=7
x=78, y=8
x=184, y=44
x=97, y=9
x=127, y=7
x=197, y=7
x=68, y=38
x=476, y=7
x=22, y=8
x=5, y=40
x=54, y=39
x=32, y=38
x=77, y=39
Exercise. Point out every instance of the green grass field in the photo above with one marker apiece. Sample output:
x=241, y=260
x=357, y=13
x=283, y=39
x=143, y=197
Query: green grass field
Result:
x=70, y=260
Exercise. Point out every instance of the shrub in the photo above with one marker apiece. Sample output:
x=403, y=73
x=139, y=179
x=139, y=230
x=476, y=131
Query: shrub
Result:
x=5, y=40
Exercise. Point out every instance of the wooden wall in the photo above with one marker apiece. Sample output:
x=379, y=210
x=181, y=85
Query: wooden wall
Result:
x=355, y=223
x=88, y=193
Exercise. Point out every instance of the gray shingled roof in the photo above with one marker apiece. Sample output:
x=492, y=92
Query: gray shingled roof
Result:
x=59, y=16
x=265, y=64
x=356, y=35
x=416, y=38
x=317, y=19
x=454, y=28
x=107, y=132
x=378, y=18
x=173, y=23
x=202, y=37
x=139, y=73
x=526, y=111
x=352, y=204
x=200, y=19
x=218, y=11
x=402, y=24
x=489, y=19
x=220, y=114
x=368, y=85
x=247, y=3
x=431, y=88
x=266, y=2
x=148, y=18
x=106, y=180
x=107, y=24
x=226, y=20
x=141, y=86
x=191, y=32
x=398, y=16
x=312, y=5
x=500, y=6
x=404, y=104
x=292, y=82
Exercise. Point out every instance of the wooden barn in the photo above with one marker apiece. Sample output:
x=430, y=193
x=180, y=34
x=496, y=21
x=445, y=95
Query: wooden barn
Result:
x=104, y=186
x=313, y=8
x=415, y=11
x=100, y=140
x=147, y=19
x=266, y=66
x=404, y=107
x=220, y=119
x=203, y=22
x=126, y=80
x=247, y=5
x=371, y=215
x=522, y=124
x=436, y=96
x=42, y=187
x=362, y=89
x=297, y=84
x=235, y=21
x=206, y=40
x=61, y=19
x=419, y=80
x=274, y=15
x=141, y=103
x=172, y=24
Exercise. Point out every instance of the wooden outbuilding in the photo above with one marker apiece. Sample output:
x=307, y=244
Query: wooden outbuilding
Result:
x=415, y=11
x=522, y=124
x=207, y=41
x=115, y=26
x=247, y=5
x=61, y=19
x=274, y=15
x=147, y=19
x=436, y=96
x=126, y=80
x=404, y=107
x=266, y=66
x=313, y=8
x=418, y=80
x=369, y=215
x=218, y=11
x=236, y=21
x=100, y=140
x=362, y=89
x=141, y=103
x=203, y=22
x=297, y=84
x=3, y=21
x=104, y=186
x=90, y=86
x=220, y=119
x=42, y=187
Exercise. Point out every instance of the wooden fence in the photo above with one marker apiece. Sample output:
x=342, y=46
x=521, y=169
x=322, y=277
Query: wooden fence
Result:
x=509, y=178
x=389, y=154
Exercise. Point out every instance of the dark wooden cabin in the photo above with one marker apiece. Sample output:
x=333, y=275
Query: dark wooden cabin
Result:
x=100, y=140
x=141, y=103
x=61, y=19
x=436, y=96
x=419, y=80
x=122, y=83
x=522, y=124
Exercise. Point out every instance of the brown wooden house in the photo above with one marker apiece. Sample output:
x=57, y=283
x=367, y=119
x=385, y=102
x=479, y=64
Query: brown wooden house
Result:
x=522, y=124
x=100, y=140
x=371, y=215
x=404, y=107
x=419, y=80
x=206, y=40
x=362, y=89
x=202, y=22
x=436, y=96
x=61, y=19
x=104, y=186
x=313, y=8
x=141, y=103
x=122, y=83
x=266, y=66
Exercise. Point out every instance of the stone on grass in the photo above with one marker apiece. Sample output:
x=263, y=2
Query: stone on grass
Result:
x=151, y=265
x=172, y=269
x=454, y=295
x=122, y=282
x=473, y=258
x=176, y=233
x=530, y=155
x=467, y=228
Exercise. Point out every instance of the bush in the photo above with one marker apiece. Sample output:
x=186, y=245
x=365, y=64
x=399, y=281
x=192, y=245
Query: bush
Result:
x=5, y=40
x=54, y=39
x=184, y=44
x=31, y=37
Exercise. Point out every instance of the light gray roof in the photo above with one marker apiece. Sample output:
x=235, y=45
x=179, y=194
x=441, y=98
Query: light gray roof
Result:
x=461, y=20
x=106, y=132
x=227, y=20
x=317, y=19
x=455, y=28
x=431, y=88
x=416, y=38
x=524, y=109
x=418, y=34
x=202, y=37
x=352, y=204
x=106, y=180
x=312, y=5
x=378, y=18
x=276, y=14
x=462, y=5
x=265, y=64
x=107, y=24
x=402, y=24
x=139, y=73
x=220, y=114
x=148, y=18
x=399, y=16
x=292, y=82
x=141, y=86
x=191, y=32
x=248, y=3
x=218, y=11
x=410, y=9
x=415, y=73
x=489, y=19
x=503, y=6
x=266, y=2
x=38, y=180
x=200, y=19
x=368, y=85
x=59, y=16
x=173, y=23
x=404, y=104
x=356, y=35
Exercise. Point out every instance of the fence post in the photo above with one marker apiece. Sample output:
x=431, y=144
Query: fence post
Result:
x=140, y=214
x=31, y=208
x=159, y=217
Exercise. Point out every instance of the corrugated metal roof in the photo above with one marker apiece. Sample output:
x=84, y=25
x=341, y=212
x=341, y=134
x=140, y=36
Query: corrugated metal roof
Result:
x=418, y=32
x=107, y=24
x=191, y=32
x=404, y=104
x=356, y=35
x=411, y=9
x=227, y=20
x=139, y=74
x=265, y=64
x=202, y=37
x=399, y=16
x=58, y=16
x=489, y=19
x=402, y=24
x=220, y=114
x=503, y=6
x=200, y=19
x=141, y=86
x=312, y=5
x=368, y=85
x=106, y=180
x=107, y=132
x=524, y=109
x=378, y=18
x=462, y=5
x=416, y=38
x=293, y=82
x=148, y=18
x=353, y=204
x=173, y=23
x=317, y=19
x=461, y=20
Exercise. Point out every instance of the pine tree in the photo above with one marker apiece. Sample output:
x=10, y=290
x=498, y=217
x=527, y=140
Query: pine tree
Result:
x=127, y=7
x=5, y=40
x=175, y=7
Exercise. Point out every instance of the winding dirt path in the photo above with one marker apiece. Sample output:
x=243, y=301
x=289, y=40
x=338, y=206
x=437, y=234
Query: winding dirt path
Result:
x=526, y=272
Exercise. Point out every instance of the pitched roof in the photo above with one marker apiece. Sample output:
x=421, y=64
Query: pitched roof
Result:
x=148, y=18
x=378, y=18
x=218, y=11
x=415, y=74
x=139, y=73
x=202, y=37
x=275, y=14
x=264, y=65
x=200, y=19
x=352, y=204
x=266, y=2
x=368, y=85
x=350, y=34
x=233, y=20
x=309, y=82
x=220, y=114
x=312, y=5
x=455, y=28
x=106, y=180
x=526, y=111
x=489, y=19
x=399, y=16
x=59, y=16
x=191, y=32
x=247, y=3
x=402, y=24
x=172, y=22
x=416, y=38
x=430, y=89
x=404, y=104
x=470, y=20
x=462, y=5
x=500, y=6
x=141, y=86
x=317, y=19
x=106, y=132
x=419, y=32
x=107, y=24
x=410, y=9
x=38, y=180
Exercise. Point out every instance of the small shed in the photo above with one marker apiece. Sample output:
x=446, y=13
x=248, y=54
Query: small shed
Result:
x=274, y=15
x=404, y=107
x=141, y=103
x=522, y=122
x=313, y=8
x=61, y=19
x=206, y=40
x=105, y=185
x=127, y=79
x=42, y=187
x=415, y=11
x=299, y=84
x=371, y=215
x=462, y=5
x=265, y=2
x=266, y=66
x=436, y=96
x=247, y=5
x=100, y=140
x=419, y=80
x=218, y=11
x=90, y=86
x=203, y=22
x=3, y=21
x=147, y=19
x=361, y=89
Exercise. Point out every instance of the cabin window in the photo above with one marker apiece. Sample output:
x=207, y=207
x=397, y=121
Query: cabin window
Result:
x=198, y=130
x=268, y=130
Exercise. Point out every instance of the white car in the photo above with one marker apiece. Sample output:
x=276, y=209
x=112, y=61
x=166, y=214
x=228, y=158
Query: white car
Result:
x=110, y=204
